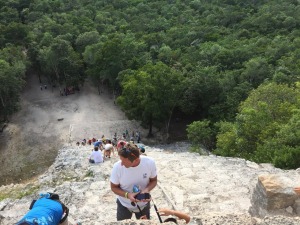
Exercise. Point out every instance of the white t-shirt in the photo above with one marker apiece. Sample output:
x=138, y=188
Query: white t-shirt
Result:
x=97, y=156
x=128, y=177
x=108, y=147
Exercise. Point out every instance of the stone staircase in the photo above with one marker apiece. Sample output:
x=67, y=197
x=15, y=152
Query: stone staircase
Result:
x=213, y=190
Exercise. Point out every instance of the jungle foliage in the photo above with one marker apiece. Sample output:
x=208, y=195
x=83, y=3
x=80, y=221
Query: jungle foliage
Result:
x=214, y=59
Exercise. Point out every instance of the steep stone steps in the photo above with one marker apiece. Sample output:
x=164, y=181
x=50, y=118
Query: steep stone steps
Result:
x=213, y=190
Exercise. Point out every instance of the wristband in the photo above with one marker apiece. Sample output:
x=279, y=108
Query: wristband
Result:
x=126, y=194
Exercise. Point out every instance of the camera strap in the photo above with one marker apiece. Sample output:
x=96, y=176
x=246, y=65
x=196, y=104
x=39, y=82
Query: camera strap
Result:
x=139, y=209
x=157, y=213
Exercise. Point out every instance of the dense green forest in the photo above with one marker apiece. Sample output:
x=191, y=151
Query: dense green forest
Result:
x=233, y=64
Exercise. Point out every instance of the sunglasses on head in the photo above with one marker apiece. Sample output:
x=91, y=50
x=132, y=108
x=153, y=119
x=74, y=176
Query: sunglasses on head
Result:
x=128, y=152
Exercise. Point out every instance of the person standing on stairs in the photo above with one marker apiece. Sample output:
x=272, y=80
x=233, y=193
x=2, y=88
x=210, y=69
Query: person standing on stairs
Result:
x=133, y=175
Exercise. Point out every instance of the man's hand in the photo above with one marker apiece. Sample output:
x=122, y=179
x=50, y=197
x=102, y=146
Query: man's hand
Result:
x=131, y=197
x=144, y=217
x=141, y=199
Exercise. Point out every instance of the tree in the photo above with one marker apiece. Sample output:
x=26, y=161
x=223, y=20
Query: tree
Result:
x=202, y=90
x=16, y=33
x=200, y=132
x=150, y=94
x=61, y=63
x=283, y=150
x=113, y=54
x=8, y=15
x=256, y=71
x=263, y=125
x=226, y=140
x=85, y=39
x=11, y=80
x=288, y=68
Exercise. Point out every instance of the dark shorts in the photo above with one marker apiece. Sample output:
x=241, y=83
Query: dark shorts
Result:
x=124, y=213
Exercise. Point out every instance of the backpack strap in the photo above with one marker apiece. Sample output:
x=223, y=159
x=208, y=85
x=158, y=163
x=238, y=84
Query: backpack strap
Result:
x=65, y=212
x=32, y=203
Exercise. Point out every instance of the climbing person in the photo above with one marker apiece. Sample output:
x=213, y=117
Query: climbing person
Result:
x=48, y=210
x=132, y=179
x=121, y=144
x=98, y=143
x=108, y=148
x=89, y=142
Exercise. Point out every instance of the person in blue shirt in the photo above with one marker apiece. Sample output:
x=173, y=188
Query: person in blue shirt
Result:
x=44, y=212
x=98, y=143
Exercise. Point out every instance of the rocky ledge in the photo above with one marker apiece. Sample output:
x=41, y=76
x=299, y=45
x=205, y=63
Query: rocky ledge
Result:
x=213, y=190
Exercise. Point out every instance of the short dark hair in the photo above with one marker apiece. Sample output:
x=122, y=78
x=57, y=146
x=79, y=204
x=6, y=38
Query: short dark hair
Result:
x=170, y=219
x=130, y=151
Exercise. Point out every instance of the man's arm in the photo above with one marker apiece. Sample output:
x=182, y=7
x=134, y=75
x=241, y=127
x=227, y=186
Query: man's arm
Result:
x=151, y=185
x=118, y=191
x=180, y=215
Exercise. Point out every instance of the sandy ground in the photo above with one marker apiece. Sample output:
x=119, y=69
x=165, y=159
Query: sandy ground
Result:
x=47, y=121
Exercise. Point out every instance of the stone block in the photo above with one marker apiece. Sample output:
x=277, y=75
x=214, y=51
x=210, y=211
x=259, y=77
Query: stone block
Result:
x=273, y=194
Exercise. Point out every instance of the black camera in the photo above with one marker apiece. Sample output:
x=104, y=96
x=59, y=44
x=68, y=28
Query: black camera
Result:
x=140, y=196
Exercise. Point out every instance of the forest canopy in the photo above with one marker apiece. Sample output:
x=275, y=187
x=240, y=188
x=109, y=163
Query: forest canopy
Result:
x=208, y=60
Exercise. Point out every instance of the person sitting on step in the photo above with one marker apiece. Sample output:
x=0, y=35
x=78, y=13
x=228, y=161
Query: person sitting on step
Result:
x=96, y=156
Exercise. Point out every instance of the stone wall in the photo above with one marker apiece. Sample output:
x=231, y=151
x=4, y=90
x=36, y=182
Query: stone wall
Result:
x=273, y=194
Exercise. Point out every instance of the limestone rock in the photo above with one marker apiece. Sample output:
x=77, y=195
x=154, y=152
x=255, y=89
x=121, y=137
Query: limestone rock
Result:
x=213, y=190
x=273, y=194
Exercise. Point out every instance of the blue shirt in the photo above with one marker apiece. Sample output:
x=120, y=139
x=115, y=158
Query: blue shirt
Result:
x=44, y=212
x=97, y=143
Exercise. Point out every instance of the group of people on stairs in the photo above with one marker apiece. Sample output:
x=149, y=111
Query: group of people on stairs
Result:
x=132, y=179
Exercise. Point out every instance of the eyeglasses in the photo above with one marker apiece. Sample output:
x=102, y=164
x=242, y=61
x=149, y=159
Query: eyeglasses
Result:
x=128, y=152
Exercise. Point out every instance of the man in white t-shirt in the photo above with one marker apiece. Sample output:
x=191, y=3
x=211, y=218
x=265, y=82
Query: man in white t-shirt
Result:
x=132, y=172
x=96, y=156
